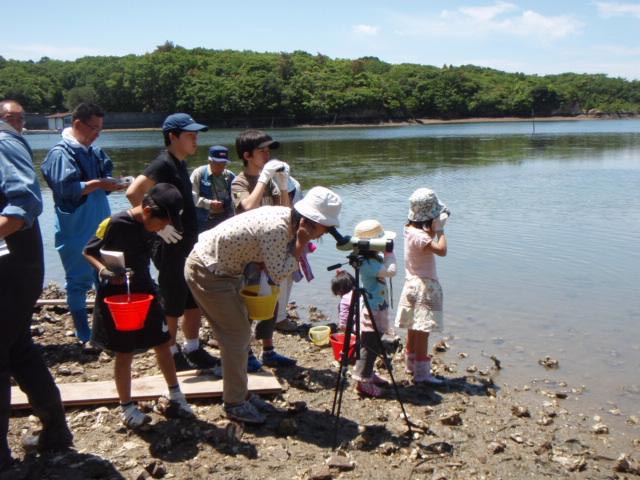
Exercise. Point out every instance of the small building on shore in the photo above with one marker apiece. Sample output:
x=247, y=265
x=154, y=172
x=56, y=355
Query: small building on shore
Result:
x=59, y=121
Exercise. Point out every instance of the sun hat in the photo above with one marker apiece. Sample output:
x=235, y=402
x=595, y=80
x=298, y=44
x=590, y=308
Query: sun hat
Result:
x=424, y=205
x=369, y=229
x=168, y=197
x=218, y=154
x=182, y=121
x=320, y=205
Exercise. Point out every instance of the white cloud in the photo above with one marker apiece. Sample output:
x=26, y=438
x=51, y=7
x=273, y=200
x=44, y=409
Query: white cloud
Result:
x=615, y=9
x=368, y=30
x=37, y=51
x=498, y=18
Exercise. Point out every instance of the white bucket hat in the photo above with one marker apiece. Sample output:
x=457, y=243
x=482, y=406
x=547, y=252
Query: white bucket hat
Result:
x=424, y=205
x=320, y=205
x=369, y=229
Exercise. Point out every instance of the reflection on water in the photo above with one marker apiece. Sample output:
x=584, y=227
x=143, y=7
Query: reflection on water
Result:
x=543, y=256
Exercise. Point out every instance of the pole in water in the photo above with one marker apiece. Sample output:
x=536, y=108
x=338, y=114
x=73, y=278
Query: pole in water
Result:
x=533, y=122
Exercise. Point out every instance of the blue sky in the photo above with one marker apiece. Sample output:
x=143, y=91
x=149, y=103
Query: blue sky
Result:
x=538, y=37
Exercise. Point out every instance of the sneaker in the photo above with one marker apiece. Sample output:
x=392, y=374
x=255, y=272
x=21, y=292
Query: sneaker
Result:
x=132, y=417
x=182, y=362
x=260, y=404
x=253, y=364
x=287, y=325
x=201, y=358
x=274, y=359
x=369, y=389
x=49, y=440
x=178, y=407
x=244, y=412
x=380, y=381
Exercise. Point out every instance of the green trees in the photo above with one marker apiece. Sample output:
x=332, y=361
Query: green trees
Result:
x=226, y=87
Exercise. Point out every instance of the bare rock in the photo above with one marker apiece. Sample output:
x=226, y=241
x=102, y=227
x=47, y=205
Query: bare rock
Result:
x=341, y=462
x=496, y=447
x=451, y=418
x=633, y=420
x=441, y=347
x=320, y=473
x=156, y=469
x=600, y=429
x=572, y=464
x=439, y=448
x=624, y=464
x=549, y=363
x=545, y=421
x=520, y=411
x=496, y=362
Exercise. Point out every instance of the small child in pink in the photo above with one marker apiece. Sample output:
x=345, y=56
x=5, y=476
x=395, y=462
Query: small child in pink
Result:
x=420, y=305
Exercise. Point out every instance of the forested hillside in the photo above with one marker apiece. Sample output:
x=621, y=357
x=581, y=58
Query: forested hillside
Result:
x=224, y=86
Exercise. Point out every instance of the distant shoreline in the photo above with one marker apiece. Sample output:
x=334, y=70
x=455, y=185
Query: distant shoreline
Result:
x=402, y=123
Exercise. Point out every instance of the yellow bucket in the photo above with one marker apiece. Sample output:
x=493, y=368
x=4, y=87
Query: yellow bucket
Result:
x=260, y=307
x=320, y=335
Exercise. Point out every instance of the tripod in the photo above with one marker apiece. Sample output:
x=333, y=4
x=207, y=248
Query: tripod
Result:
x=353, y=328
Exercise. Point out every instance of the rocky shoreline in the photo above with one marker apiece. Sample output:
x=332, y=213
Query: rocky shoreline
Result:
x=475, y=427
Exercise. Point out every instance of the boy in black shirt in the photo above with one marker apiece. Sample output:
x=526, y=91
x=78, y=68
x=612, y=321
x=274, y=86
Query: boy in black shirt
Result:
x=181, y=139
x=130, y=232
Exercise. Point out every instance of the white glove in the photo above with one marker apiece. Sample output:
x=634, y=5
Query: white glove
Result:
x=170, y=234
x=390, y=265
x=270, y=169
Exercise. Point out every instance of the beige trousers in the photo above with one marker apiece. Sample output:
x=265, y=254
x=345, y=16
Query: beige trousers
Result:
x=219, y=299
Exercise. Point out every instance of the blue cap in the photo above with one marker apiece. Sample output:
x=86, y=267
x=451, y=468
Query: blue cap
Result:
x=184, y=122
x=219, y=154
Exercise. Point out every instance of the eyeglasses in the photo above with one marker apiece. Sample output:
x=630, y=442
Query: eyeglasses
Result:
x=93, y=128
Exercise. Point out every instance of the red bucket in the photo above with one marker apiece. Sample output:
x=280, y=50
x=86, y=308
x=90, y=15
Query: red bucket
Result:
x=129, y=311
x=337, y=343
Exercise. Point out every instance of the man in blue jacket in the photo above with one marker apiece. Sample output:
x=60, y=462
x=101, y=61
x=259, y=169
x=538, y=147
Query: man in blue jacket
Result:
x=80, y=177
x=21, y=277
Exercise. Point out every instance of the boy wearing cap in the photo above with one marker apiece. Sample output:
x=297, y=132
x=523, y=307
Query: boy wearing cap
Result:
x=272, y=236
x=130, y=232
x=262, y=182
x=181, y=139
x=211, y=186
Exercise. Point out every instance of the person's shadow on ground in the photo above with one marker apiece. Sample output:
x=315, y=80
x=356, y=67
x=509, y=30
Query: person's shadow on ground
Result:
x=68, y=465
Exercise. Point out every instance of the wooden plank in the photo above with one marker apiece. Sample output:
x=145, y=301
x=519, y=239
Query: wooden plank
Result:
x=58, y=302
x=193, y=383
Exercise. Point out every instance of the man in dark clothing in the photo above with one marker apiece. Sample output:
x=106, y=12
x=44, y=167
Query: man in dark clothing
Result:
x=181, y=139
x=21, y=277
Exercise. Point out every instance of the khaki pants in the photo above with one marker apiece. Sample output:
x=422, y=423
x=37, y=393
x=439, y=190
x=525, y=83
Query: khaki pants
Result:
x=219, y=300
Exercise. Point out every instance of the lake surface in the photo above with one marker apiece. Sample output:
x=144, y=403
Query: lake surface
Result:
x=543, y=238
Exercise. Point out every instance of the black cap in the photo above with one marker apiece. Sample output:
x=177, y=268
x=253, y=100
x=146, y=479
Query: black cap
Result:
x=168, y=198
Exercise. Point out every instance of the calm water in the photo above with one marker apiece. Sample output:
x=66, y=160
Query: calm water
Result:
x=543, y=238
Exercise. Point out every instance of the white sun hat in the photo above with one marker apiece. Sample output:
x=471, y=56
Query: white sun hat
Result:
x=369, y=229
x=320, y=205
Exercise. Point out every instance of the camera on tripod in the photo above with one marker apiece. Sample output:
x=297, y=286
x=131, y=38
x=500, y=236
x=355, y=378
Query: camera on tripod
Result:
x=360, y=246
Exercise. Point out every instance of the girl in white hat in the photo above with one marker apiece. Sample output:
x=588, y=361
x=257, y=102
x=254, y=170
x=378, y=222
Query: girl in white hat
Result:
x=420, y=305
x=374, y=271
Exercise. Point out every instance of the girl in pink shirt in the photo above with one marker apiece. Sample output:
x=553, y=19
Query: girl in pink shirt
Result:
x=420, y=305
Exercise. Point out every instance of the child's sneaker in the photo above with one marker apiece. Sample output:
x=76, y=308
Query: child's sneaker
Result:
x=244, y=412
x=369, y=389
x=253, y=364
x=380, y=381
x=179, y=407
x=422, y=373
x=274, y=359
x=132, y=417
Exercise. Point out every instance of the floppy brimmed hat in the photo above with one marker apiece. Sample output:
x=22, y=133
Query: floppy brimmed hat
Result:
x=169, y=199
x=369, y=229
x=424, y=205
x=320, y=205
